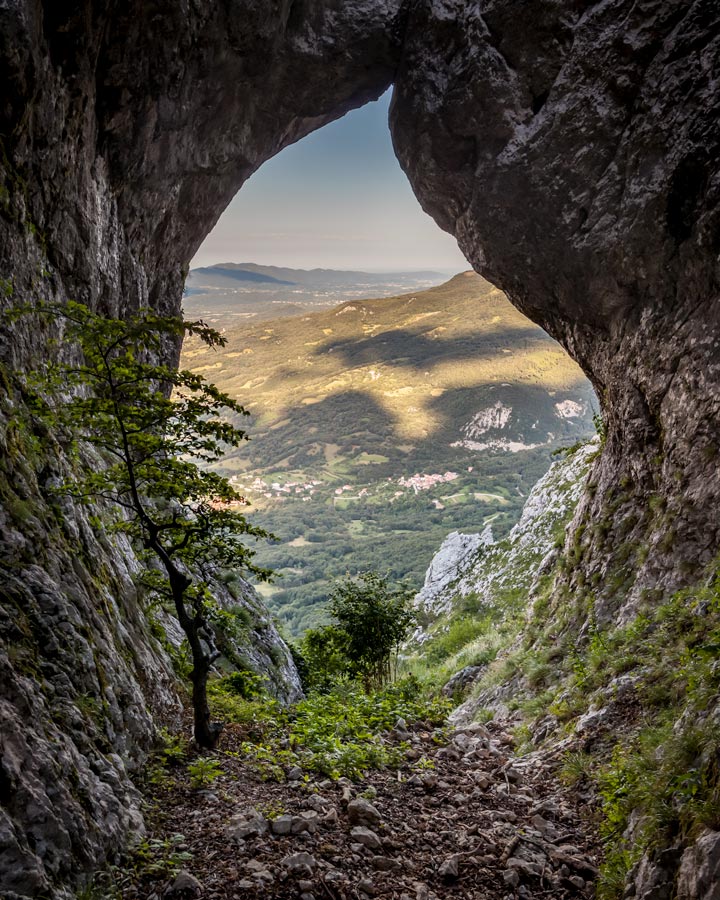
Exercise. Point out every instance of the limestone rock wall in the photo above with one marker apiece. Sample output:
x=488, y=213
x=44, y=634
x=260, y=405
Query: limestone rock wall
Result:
x=572, y=148
x=476, y=564
x=124, y=130
x=81, y=682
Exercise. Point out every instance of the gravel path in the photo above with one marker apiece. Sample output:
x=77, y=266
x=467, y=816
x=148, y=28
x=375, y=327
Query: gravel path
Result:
x=464, y=818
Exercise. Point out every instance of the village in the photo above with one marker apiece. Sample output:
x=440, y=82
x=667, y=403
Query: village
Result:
x=305, y=490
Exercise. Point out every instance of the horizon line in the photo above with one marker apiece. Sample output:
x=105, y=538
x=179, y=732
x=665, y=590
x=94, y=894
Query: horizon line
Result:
x=399, y=270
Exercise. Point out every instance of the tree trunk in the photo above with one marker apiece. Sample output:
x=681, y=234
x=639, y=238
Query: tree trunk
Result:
x=206, y=733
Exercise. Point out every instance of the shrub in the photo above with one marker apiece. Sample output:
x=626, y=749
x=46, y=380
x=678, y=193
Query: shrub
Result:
x=340, y=733
x=246, y=684
x=460, y=633
x=374, y=620
x=325, y=651
x=204, y=771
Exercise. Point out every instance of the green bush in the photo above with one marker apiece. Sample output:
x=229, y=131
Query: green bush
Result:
x=245, y=684
x=460, y=633
x=260, y=712
x=325, y=651
x=373, y=620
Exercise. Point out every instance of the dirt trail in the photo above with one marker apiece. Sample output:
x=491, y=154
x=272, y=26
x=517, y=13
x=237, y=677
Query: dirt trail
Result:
x=464, y=818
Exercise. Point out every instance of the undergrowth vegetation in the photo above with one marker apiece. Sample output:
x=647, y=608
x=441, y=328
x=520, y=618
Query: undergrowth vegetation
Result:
x=663, y=783
x=652, y=755
x=473, y=637
x=340, y=732
x=153, y=858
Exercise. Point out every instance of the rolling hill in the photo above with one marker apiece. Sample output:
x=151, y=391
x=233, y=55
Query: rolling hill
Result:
x=379, y=426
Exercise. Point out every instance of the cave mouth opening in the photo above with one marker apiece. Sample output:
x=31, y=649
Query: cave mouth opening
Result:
x=336, y=199
x=347, y=310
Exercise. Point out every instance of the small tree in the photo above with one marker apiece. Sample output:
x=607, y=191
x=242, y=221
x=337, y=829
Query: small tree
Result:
x=152, y=424
x=375, y=620
x=324, y=651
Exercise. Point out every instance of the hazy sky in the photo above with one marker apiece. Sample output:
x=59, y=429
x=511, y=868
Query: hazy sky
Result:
x=337, y=199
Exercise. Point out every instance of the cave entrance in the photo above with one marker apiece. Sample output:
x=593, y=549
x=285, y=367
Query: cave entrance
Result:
x=337, y=199
x=394, y=394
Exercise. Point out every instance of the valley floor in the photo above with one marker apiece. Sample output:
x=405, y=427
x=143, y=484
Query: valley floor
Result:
x=462, y=818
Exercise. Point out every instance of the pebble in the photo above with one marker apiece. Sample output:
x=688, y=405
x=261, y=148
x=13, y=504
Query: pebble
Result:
x=245, y=825
x=185, y=885
x=450, y=868
x=331, y=817
x=306, y=821
x=524, y=867
x=505, y=816
x=281, y=825
x=361, y=812
x=385, y=864
x=317, y=802
x=300, y=862
x=334, y=875
x=366, y=837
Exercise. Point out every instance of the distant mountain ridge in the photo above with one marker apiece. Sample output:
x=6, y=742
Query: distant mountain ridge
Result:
x=235, y=273
x=243, y=291
x=317, y=276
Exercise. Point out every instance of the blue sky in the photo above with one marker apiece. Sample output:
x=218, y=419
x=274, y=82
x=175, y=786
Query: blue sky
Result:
x=337, y=199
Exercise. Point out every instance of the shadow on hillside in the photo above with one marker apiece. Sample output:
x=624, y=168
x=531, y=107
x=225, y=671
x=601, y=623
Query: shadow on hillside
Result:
x=352, y=419
x=534, y=412
x=357, y=423
x=411, y=350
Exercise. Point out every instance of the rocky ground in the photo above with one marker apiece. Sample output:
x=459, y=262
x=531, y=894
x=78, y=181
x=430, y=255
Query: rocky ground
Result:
x=464, y=818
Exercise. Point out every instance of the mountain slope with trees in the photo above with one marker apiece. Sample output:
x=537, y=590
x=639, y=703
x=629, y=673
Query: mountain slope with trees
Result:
x=381, y=425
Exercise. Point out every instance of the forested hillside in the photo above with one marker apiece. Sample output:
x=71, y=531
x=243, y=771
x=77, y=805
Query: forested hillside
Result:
x=380, y=426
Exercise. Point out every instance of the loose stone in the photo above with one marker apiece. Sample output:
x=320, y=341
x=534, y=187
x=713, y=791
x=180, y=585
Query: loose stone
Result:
x=366, y=837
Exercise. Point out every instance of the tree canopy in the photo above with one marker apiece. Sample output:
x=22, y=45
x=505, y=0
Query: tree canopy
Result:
x=372, y=619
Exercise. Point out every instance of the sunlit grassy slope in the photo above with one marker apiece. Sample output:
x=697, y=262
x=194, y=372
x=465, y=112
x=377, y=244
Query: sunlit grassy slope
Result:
x=381, y=425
